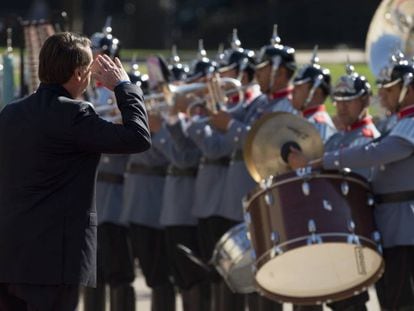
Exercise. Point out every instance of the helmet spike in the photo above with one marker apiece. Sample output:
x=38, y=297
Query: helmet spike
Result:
x=107, y=28
x=201, y=51
x=349, y=68
x=315, y=57
x=134, y=63
x=235, y=41
x=275, y=37
x=174, y=55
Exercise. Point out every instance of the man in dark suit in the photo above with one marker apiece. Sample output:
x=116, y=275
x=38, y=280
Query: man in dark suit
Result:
x=50, y=145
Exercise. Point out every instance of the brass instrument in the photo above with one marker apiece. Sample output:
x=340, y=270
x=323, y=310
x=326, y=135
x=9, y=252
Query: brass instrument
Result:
x=211, y=93
x=391, y=29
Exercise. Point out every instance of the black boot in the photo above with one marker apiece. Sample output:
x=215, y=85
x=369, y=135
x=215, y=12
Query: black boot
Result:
x=197, y=298
x=266, y=304
x=94, y=298
x=163, y=298
x=122, y=297
x=230, y=300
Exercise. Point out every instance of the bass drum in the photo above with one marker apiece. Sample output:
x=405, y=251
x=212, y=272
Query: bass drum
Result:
x=232, y=258
x=313, y=236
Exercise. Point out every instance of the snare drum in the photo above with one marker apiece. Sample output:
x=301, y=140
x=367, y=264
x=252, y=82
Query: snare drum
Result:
x=233, y=260
x=313, y=236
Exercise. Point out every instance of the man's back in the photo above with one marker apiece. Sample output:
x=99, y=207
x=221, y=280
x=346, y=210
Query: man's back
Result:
x=49, y=150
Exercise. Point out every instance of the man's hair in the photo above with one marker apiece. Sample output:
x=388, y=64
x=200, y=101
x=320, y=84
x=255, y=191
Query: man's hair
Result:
x=60, y=55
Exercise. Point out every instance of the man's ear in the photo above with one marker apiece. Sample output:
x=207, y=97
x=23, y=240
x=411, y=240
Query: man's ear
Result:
x=77, y=74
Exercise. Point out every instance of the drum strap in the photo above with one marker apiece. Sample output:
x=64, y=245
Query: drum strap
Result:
x=394, y=197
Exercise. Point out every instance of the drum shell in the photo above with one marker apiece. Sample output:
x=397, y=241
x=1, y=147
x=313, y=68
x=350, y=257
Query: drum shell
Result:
x=232, y=259
x=284, y=214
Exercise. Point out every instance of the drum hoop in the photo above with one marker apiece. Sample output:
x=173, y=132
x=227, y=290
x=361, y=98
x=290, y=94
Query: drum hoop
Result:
x=224, y=239
x=282, y=246
x=324, y=298
x=229, y=233
x=248, y=201
x=319, y=300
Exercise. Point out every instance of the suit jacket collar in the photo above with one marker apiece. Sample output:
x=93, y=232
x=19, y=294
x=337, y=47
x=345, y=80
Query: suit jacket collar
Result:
x=56, y=88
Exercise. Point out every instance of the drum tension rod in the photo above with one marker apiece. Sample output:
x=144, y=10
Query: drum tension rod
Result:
x=314, y=238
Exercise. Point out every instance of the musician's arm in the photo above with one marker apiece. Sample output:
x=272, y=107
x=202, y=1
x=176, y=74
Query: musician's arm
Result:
x=388, y=150
x=210, y=141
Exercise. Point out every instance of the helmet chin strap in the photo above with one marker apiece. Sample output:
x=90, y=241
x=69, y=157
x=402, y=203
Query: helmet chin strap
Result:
x=275, y=66
x=408, y=78
x=242, y=68
x=316, y=84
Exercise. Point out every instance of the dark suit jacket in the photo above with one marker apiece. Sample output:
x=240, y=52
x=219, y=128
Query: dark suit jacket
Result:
x=50, y=146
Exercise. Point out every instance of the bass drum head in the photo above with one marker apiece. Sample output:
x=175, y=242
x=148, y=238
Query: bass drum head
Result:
x=319, y=273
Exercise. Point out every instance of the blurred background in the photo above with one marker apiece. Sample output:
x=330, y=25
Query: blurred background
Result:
x=157, y=24
x=145, y=27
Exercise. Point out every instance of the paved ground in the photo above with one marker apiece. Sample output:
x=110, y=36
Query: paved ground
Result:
x=143, y=299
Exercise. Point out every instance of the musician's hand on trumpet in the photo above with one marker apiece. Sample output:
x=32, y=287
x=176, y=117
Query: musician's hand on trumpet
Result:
x=220, y=120
x=109, y=72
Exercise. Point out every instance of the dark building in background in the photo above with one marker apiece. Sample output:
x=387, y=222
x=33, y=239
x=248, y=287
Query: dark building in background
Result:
x=159, y=23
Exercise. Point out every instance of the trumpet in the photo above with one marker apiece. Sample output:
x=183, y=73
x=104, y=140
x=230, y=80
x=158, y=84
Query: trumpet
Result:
x=213, y=94
x=213, y=91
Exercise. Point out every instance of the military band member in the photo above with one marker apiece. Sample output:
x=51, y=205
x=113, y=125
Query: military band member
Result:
x=114, y=257
x=274, y=70
x=388, y=121
x=143, y=186
x=392, y=158
x=312, y=85
x=178, y=198
x=235, y=126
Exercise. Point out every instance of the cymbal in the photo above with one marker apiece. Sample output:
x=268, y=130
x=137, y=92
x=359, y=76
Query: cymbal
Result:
x=262, y=150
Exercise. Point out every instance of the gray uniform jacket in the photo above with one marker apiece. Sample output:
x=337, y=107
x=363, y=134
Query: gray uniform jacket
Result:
x=321, y=120
x=238, y=181
x=212, y=170
x=109, y=188
x=241, y=124
x=386, y=124
x=359, y=134
x=143, y=188
x=178, y=195
x=393, y=159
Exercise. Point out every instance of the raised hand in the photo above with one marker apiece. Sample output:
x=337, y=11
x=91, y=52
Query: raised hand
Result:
x=109, y=72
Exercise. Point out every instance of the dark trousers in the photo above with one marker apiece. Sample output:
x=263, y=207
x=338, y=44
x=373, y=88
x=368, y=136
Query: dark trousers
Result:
x=395, y=289
x=24, y=297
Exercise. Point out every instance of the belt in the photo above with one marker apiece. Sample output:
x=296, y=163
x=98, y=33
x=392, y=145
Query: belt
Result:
x=135, y=168
x=224, y=161
x=110, y=177
x=175, y=171
x=237, y=155
x=394, y=197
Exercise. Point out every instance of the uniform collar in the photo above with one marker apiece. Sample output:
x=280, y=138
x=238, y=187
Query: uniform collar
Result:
x=406, y=112
x=236, y=98
x=310, y=111
x=287, y=92
x=358, y=124
x=56, y=88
